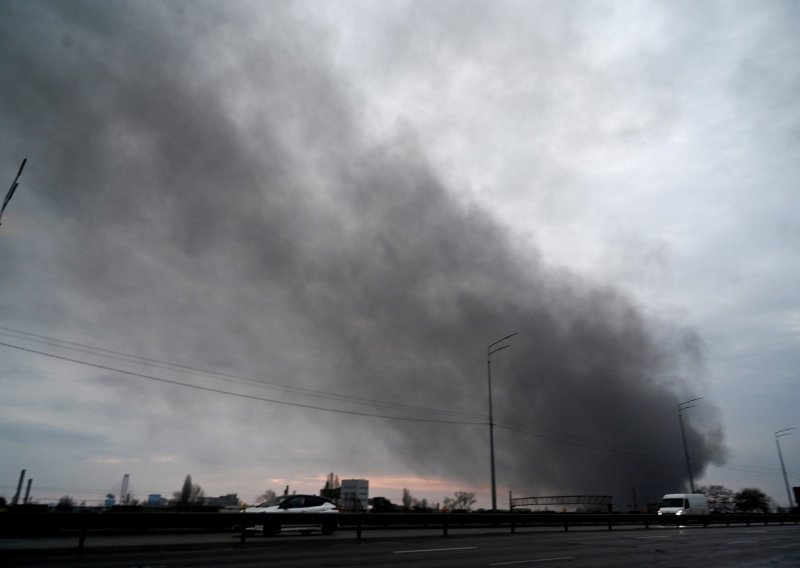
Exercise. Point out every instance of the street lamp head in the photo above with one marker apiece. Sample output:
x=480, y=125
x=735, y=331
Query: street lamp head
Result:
x=501, y=340
x=683, y=405
x=784, y=432
x=498, y=349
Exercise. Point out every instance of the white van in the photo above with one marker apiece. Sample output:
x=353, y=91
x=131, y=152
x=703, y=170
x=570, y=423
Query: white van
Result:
x=684, y=504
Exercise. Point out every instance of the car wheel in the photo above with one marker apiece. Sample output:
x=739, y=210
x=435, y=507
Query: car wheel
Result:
x=328, y=528
x=272, y=529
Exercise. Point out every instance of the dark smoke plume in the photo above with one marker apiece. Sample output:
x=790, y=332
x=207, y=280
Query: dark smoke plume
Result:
x=209, y=194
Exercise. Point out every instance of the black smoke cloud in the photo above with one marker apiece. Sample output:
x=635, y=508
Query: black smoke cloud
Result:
x=204, y=187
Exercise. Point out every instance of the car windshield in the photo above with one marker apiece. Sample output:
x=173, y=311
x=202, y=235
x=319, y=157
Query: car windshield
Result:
x=673, y=502
x=275, y=501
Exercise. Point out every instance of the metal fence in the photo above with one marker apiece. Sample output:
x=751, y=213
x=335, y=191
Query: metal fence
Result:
x=85, y=524
x=588, y=503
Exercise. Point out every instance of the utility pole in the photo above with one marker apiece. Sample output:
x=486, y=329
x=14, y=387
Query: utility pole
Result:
x=15, y=500
x=681, y=407
x=489, y=352
x=781, y=434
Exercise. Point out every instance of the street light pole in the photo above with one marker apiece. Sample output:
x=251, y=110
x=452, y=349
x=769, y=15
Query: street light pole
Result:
x=781, y=434
x=681, y=407
x=489, y=352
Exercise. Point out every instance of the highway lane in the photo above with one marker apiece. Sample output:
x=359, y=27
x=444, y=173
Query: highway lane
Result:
x=775, y=546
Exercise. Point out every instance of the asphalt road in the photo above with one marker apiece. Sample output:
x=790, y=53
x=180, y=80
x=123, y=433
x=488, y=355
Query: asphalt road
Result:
x=773, y=546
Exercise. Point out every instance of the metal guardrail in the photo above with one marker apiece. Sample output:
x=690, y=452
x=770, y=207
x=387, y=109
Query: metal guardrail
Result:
x=82, y=524
x=605, y=500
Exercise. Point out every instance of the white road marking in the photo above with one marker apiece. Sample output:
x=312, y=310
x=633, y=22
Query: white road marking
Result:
x=651, y=537
x=743, y=542
x=433, y=550
x=533, y=560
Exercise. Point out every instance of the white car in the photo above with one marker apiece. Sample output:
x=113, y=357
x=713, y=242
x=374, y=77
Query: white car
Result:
x=295, y=504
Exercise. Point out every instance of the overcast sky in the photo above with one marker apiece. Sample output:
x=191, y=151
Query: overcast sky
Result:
x=257, y=242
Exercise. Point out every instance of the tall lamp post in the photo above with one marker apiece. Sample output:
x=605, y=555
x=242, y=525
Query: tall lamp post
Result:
x=489, y=352
x=780, y=434
x=681, y=407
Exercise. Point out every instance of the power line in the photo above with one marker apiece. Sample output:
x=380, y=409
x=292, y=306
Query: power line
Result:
x=308, y=406
x=599, y=445
x=119, y=355
x=562, y=440
x=590, y=442
x=229, y=393
x=749, y=468
x=595, y=446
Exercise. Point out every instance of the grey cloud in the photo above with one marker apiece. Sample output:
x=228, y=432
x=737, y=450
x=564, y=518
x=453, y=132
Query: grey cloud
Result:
x=215, y=197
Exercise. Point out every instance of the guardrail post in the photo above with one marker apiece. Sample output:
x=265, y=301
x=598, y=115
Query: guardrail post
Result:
x=513, y=526
x=84, y=531
x=358, y=529
x=566, y=525
x=610, y=522
x=444, y=527
x=243, y=535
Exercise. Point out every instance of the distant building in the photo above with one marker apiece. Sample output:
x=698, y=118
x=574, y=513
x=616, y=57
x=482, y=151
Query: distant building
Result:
x=231, y=501
x=156, y=500
x=354, y=495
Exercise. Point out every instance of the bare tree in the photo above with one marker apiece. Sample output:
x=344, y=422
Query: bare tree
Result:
x=408, y=500
x=268, y=495
x=752, y=499
x=422, y=506
x=332, y=482
x=720, y=498
x=66, y=503
x=189, y=494
x=461, y=501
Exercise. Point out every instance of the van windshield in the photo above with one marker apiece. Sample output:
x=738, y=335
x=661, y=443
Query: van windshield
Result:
x=672, y=502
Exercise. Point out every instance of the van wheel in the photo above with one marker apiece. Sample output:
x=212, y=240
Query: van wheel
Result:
x=329, y=528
